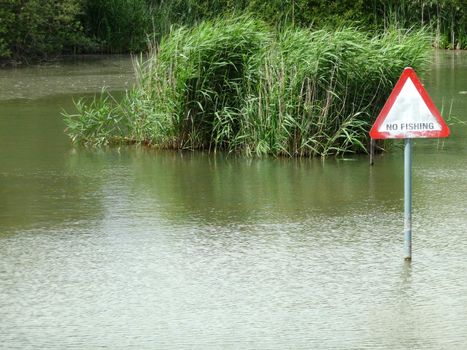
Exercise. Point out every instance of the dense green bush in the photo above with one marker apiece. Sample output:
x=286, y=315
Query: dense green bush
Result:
x=239, y=86
x=6, y=20
x=40, y=28
x=32, y=29
x=446, y=19
x=118, y=25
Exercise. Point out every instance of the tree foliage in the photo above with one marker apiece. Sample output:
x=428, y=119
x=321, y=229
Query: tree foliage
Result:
x=40, y=28
x=118, y=26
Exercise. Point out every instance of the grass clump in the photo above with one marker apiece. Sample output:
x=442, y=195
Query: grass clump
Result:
x=236, y=85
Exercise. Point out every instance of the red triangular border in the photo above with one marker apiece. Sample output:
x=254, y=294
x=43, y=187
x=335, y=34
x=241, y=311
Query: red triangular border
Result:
x=406, y=74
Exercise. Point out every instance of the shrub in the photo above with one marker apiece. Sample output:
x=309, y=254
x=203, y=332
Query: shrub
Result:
x=118, y=25
x=38, y=29
x=237, y=85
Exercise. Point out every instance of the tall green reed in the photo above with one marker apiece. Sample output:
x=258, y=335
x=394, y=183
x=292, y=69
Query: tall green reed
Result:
x=236, y=85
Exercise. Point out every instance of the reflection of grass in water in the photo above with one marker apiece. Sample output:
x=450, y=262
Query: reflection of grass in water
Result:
x=235, y=85
x=218, y=189
x=453, y=123
x=186, y=188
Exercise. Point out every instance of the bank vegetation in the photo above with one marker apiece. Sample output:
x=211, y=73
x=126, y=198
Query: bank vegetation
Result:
x=33, y=30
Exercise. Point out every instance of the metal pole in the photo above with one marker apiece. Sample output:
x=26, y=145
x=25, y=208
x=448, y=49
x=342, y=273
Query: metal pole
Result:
x=408, y=199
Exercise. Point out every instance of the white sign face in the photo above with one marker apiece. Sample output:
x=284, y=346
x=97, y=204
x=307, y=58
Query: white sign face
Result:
x=409, y=113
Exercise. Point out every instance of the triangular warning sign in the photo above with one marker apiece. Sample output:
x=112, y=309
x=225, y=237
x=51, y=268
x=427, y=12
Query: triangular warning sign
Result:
x=409, y=112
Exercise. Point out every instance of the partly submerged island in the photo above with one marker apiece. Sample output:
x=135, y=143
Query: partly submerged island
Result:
x=237, y=85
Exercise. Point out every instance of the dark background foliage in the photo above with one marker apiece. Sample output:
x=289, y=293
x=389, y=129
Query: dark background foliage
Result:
x=41, y=29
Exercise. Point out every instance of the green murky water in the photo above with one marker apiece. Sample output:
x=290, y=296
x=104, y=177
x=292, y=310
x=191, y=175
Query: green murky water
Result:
x=132, y=248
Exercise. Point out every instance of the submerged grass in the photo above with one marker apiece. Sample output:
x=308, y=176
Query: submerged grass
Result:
x=236, y=85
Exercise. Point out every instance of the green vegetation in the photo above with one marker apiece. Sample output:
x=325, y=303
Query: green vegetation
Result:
x=47, y=27
x=237, y=85
x=117, y=26
x=38, y=29
x=445, y=18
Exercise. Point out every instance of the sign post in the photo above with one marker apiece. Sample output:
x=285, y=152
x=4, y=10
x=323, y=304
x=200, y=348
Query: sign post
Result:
x=408, y=199
x=407, y=114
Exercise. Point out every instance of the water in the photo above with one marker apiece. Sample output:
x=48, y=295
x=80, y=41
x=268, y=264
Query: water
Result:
x=133, y=248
